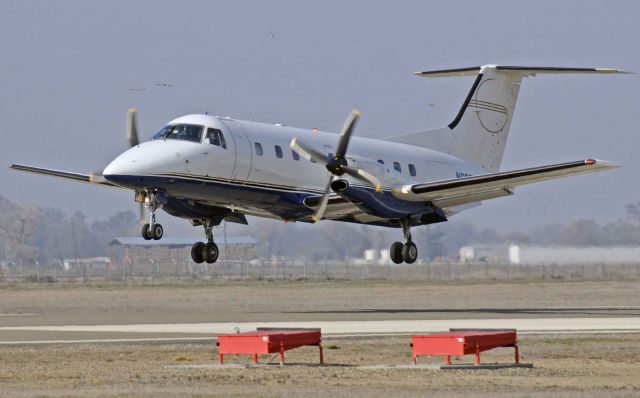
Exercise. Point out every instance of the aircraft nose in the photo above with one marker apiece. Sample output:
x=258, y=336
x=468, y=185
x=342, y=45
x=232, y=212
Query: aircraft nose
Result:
x=121, y=170
x=118, y=166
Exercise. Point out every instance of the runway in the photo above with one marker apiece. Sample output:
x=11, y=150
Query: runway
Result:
x=200, y=331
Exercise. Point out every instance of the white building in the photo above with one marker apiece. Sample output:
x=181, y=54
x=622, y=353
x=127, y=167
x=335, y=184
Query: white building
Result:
x=547, y=255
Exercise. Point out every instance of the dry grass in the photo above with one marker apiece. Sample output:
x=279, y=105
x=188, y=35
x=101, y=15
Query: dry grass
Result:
x=576, y=367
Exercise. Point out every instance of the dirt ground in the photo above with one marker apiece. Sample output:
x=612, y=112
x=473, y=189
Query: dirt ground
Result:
x=565, y=365
x=580, y=366
x=118, y=303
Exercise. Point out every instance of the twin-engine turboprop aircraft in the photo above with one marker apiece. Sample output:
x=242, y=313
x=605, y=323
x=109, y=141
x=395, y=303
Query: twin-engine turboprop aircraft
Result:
x=207, y=169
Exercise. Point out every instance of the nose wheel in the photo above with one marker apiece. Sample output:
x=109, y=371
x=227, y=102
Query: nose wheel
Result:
x=152, y=230
x=407, y=252
x=205, y=252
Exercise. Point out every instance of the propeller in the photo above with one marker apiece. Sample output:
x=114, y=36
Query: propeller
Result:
x=132, y=138
x=337, y=165
x=132, y=128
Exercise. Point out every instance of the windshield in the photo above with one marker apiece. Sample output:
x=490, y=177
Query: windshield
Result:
x=187, y=132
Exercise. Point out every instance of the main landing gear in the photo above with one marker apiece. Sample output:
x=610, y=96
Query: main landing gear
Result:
x=407, y=252
x=152, y=230
x=205, y=252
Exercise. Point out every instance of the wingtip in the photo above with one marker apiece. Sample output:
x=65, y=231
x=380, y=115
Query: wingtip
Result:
x=614, y=70
x=602, y=163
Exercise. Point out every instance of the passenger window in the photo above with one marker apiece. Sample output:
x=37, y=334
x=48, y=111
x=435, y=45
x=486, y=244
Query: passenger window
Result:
x=412, y=170
x=295, y=155
x=216, y=137
x=397, y=167
x=278, y=151
x=380, y=161
x=258, y=148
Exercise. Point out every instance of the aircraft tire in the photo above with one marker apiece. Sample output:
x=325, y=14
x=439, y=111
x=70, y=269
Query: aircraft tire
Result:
x=156, y=231
x=196, y=252
x=409, y=252
x=395, y=253
x=146, y=233
x=210, y=253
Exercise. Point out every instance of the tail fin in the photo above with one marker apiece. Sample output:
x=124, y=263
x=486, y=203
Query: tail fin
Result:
x=479, y=131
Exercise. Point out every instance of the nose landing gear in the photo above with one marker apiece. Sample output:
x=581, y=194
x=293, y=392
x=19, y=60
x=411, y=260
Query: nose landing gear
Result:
x=152, y=230
x=407, y=252
x=205, y=252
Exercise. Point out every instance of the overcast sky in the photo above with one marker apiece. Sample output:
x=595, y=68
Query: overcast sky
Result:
x=67, y=69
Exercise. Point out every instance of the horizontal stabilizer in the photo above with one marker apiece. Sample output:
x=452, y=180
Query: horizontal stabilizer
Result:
x=521, y=70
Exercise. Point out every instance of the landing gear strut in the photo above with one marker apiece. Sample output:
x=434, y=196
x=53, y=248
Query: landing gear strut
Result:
x=152, y=230
x=205, y=252
x=407, y=252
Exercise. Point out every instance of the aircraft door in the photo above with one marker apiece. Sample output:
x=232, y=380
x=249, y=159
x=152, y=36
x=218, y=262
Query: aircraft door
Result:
x=243, y=152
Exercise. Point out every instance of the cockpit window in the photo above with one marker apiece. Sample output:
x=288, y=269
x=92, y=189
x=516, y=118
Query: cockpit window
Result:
x=216, y=137
x=186, y=132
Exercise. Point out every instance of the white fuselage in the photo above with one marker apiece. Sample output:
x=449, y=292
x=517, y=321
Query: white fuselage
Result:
x=242, y=165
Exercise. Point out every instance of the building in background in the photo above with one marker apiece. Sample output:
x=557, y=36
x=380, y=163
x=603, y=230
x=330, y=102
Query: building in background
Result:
x=548, y=255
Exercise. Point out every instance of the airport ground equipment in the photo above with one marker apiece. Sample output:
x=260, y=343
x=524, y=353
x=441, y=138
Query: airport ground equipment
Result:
x=463, y=342
x=268, y=341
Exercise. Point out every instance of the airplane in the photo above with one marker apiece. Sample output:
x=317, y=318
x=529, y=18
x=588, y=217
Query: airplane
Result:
x=207, y=169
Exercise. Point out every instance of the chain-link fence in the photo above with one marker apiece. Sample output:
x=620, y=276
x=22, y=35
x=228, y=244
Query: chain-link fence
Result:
x=239, y=270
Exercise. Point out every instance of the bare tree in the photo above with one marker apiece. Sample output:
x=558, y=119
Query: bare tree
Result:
x=18, y=224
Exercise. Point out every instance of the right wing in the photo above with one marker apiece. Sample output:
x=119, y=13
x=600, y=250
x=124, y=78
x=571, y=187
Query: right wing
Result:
x=467, y=190
x=88, y=178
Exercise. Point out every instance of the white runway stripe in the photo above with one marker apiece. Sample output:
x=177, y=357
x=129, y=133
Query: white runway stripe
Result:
x=365, y=327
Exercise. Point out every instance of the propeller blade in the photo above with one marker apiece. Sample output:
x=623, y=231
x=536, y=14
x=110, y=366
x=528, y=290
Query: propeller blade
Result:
x=345, y=134
x=132, y=128
x=307, y=152
x=363, y=175
x=323, y=204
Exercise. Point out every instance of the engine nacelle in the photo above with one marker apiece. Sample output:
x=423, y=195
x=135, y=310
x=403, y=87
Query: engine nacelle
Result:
x=383, y=204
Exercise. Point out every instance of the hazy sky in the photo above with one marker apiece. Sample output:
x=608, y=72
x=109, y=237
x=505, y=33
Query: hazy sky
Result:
x=67, y=67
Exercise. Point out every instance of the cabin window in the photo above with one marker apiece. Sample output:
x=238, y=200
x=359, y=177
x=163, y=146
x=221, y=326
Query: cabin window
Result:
x=397, y=167
x=258, y=146
x=329, y=150
x=380, y=161
x=412, y=170
x=278, y=151
x=216, y=137
x=295, y=155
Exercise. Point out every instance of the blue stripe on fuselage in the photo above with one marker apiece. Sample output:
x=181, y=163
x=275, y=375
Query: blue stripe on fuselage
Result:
x=283, y=201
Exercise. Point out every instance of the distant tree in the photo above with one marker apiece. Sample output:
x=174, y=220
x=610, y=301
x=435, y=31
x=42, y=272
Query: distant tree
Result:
x=123, y=223
x=18, y=223
x=517, y=238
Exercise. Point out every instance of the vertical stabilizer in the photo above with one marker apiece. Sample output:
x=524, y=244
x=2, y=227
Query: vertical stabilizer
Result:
x=480, y=129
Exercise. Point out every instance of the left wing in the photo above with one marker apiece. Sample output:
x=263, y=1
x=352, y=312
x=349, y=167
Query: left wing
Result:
x=466, y=190
x=88, y=178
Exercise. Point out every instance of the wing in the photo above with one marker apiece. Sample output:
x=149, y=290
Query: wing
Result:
x=88, y=178
x=467, y=190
